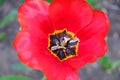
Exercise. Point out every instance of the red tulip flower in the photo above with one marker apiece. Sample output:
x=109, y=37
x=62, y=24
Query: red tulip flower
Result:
x=61, y=37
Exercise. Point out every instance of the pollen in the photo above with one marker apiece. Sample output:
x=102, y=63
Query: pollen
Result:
x=63, y=44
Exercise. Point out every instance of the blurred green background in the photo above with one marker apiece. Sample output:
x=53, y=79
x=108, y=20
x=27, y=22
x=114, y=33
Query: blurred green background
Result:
x=106, y=68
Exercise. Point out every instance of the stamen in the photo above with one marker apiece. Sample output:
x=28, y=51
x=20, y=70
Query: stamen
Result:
x=75, y=40
x=64, y=42
x=73, y=43
x=53, y=48
x=66, y=39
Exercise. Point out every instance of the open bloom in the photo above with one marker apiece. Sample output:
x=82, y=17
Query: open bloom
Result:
x=60, y=37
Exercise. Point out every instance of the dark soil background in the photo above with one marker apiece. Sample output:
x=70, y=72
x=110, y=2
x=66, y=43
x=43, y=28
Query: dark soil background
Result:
x=8, y=56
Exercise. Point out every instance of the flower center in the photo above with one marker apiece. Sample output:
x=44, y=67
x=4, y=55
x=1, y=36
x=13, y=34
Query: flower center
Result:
x=63, y=44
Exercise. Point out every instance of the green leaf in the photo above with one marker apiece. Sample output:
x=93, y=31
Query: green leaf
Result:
x=2, y=36
x=49, y=0
x=9, y=17
x=115, y=65
x=14, y=77
x=43, y=78
x=1, y=2
x=94, y=4
x=105, y=63
x=19, y=66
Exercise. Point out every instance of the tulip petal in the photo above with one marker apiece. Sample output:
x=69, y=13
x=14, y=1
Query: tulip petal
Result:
x=33, y=49
x=60, y=71
x=70, y=14
x=98, y=27
x=34, y=13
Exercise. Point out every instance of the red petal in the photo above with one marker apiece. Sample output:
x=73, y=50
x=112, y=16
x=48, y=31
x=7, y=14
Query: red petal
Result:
x=37, y=58
x=98, y=27
x=34, y=13
x=60, y=71
x=70, y=14
x=88, y=51
x=32, y=46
